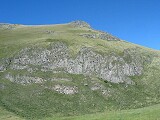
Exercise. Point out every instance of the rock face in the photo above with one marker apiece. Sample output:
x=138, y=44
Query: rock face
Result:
x=107, y=36
x=80, y=24
x=65, y=89
x=6, y=26
x=23, y=79
x=103, y=36
x=49, y=32
x=113, y=68
x=4, y=63
x=99, y=35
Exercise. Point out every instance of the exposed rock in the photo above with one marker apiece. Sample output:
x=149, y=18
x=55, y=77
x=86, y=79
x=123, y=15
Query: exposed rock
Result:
x=94, y=36
x=53, y=57
x=18, y=67
x=4, y=63
x=6, y=26
x=106, y=36
x=113, y=68
x=97, y=86
x=60, y=79
x=2, y=86
x=102, y=35
x=49, y=32
x=80, y=24
x=23, y=79
x=65, y=89
x=2, y=68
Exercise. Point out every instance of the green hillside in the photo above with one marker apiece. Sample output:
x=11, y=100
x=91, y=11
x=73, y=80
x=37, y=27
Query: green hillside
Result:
x=146, y=113
x=70, y=70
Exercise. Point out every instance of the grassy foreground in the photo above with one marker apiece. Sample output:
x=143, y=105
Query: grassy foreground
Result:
x=146, y=113
x=5, y=115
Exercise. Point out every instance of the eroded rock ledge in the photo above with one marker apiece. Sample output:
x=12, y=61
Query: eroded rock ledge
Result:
x=101, y=35
x=113, y=68
x=6, y=26
x=80, y=24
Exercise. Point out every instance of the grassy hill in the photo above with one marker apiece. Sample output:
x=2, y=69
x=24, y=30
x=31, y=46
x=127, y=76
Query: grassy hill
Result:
x=5, y=115
x=31, y=92
x=146, y=113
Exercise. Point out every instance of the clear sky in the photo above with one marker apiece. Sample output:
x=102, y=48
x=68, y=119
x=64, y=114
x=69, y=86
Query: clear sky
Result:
x=136, y=21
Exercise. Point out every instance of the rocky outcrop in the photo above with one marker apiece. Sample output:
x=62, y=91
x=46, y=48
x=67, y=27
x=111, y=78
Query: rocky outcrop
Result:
x=53, y=57
x=107, y=36
x=92, y=36
x=23, y=79
x=49, y=32
x=101, y=35
x=99, y=87
x=98, y=35
x=63, y=89
x=113, y=68
x=4, y=63
x=80, y=24
x=6, y=26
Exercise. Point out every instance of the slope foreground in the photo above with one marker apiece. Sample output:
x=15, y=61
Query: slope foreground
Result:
x=146, y=113
x=72, y=70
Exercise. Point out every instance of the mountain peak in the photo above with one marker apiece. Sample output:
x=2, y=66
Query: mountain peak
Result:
x=80, y=23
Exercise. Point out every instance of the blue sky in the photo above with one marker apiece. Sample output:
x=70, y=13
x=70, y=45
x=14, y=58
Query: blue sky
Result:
x=136, y=21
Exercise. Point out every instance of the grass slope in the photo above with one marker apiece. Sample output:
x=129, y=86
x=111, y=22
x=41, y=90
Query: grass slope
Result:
x=146, y=113
x=35, y=101
x=11, y=41
x=5, y=115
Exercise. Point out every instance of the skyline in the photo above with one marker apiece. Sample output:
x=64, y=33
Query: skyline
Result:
x=135, y=21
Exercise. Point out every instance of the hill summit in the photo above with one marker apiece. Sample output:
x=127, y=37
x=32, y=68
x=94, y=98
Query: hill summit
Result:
x=80, y=23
